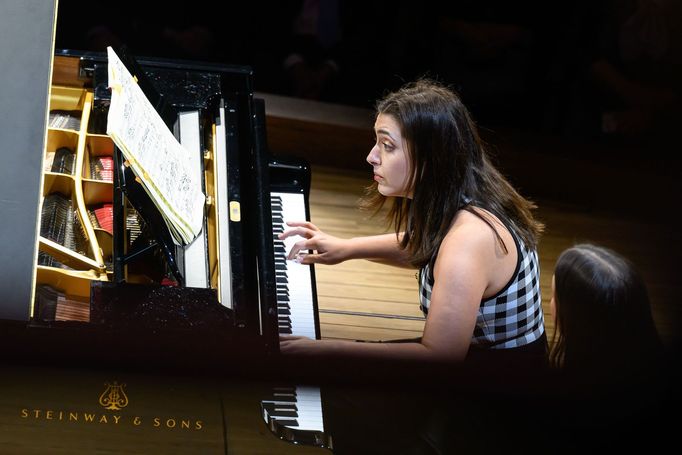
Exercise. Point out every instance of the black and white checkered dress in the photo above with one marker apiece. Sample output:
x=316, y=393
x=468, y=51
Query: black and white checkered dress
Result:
x=513, y=317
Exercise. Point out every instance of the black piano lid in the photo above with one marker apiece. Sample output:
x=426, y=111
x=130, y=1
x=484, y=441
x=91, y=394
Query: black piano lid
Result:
x=184, y=83
x=89, y=58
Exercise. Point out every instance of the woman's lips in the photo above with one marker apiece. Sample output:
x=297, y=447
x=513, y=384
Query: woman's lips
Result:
x=377, y=177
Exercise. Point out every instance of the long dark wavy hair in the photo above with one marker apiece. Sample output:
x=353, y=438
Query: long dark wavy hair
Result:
x=449, y=164
x=603, y=314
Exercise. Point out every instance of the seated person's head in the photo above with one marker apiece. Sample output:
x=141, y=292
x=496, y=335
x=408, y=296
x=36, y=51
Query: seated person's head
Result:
x=602, y=312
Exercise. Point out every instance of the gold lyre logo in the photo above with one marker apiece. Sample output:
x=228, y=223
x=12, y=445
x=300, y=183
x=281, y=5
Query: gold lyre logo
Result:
x=113, y=397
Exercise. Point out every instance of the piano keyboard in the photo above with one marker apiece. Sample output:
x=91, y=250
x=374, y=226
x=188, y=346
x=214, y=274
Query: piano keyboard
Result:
x=295, y=414
x=295, y=307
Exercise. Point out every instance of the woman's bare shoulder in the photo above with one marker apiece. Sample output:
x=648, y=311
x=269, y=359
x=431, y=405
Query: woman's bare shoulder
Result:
x=476, y=233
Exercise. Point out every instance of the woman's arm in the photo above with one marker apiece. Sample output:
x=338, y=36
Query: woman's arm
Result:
x=463, y=267
x=462, y=273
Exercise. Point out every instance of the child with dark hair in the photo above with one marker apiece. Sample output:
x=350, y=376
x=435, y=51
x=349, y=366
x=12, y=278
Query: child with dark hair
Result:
x=602, y=312
x=612, y=390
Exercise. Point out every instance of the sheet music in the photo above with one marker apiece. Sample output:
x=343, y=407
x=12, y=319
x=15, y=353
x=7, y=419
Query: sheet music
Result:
x=161, y=163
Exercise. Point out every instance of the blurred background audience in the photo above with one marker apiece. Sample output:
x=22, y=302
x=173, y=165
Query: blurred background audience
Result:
x=608, y=71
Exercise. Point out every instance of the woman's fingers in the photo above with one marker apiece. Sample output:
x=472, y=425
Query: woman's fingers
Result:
x=305, y=224
x=310, y=258
x=294, y=344
x=303, y=250
x=301, y=231
x=300, y=245
x=302, y=228
x=290, y=337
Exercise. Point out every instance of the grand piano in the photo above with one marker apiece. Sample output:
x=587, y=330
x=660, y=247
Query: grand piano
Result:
x=108, y=285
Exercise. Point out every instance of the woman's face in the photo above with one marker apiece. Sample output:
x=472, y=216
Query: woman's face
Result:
x=389, y=158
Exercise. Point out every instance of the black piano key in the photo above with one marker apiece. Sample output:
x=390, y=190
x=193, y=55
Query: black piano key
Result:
x=282, y=393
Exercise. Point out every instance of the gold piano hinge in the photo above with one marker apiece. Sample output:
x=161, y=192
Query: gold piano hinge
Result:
x=208, y=156
x=235, y=211
x=209, y=200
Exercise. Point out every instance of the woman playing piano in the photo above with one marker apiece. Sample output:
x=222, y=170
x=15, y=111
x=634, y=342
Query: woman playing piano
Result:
x=458, y=221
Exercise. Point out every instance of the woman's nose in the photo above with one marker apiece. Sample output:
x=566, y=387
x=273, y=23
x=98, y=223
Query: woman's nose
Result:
x=373, y=156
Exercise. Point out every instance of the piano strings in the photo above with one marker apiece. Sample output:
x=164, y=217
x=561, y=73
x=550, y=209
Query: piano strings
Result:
x=64, y=119
x=61, y=161
x=60, y=223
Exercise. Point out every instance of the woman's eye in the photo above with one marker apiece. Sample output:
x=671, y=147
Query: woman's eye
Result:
x=387, y=146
